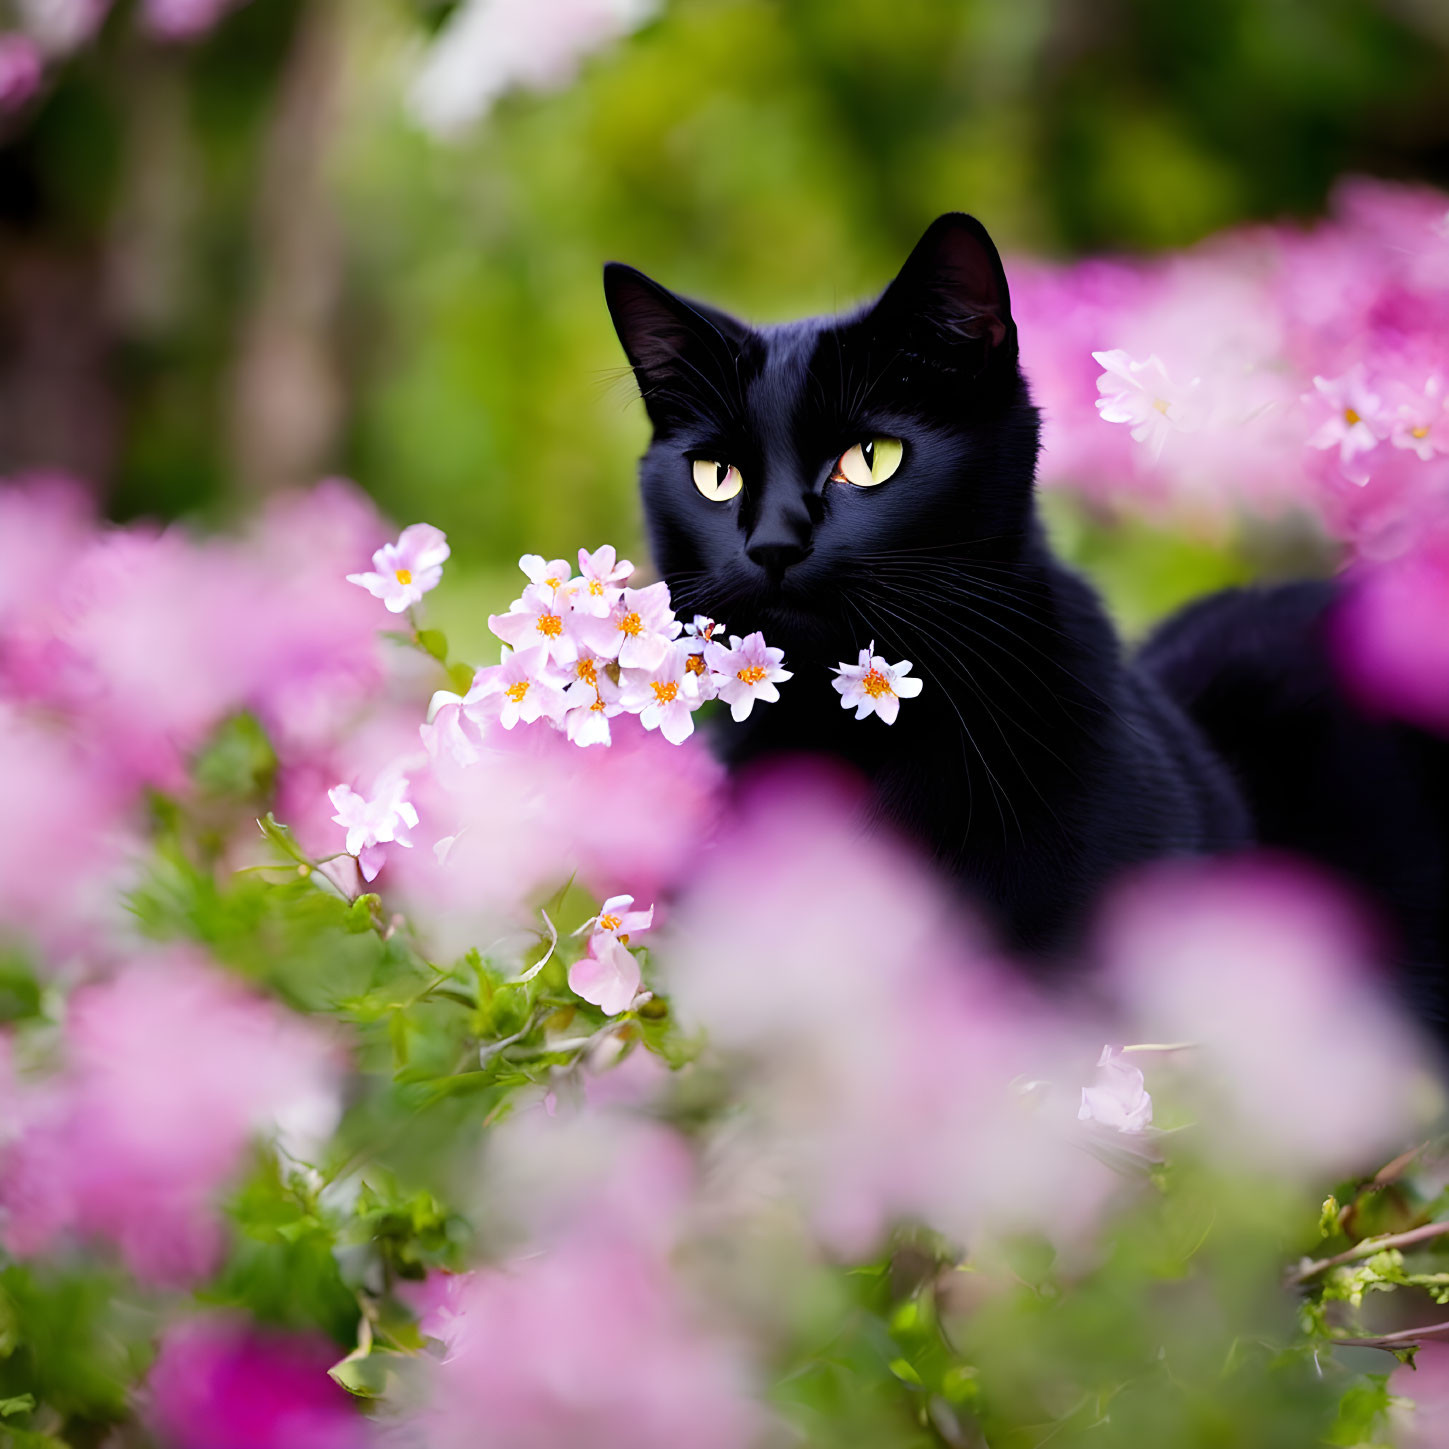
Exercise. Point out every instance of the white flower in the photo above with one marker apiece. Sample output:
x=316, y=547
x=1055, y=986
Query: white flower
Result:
x=601, y=579
x=526, y=688
x=385, y=819
x=1144, y=396
x=1118, y=1098
x=406, y=570
x=664, y=698
x=871, y=686
x=593, y=700
x=543, y=617
x=748, y=670
x=616, y=919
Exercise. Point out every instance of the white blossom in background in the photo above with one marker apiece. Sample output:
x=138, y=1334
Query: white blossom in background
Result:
x=490, y=46
x=60, y=26
x=1142, y=395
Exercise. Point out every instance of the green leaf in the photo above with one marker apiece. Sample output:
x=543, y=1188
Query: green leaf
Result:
x=19, y=1404
x=434, y=642
x=461, y=677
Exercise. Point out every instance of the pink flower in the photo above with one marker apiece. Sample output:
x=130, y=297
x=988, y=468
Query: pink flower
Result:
x=526, y=688
x=171, y=1068
x=1118, y=1098
x=1421, y=424
x=664, y=697
x=21, y=69
x=457, y=725
x=1142, y=395
x=871, y=686
x=68, y=836
x=385, y=818
x=543, y=618
x=748, y=670
x=602, y=575
x=638, y=632
x=220, y=1383
x=1390, y=635
x=406, y=570
x=1419, y=1412
x=589, y=1344
x=608, y=976
x=1352, y=414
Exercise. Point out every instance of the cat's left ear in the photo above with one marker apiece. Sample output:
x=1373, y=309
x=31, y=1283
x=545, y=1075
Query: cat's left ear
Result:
x=954, y=284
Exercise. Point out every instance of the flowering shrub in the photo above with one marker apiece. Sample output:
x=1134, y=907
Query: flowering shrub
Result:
x=624, y=1109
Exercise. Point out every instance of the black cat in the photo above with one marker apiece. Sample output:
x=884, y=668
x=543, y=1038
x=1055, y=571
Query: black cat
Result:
x=870, y=477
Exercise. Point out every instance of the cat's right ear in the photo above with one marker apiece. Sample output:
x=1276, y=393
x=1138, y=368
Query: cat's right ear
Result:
x=673, y=345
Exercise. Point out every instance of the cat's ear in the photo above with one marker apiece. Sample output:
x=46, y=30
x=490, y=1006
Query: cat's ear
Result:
x=669, y=341
x=953, y=283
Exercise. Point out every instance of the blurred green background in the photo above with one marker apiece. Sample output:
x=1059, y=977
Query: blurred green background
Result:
x=237, y=264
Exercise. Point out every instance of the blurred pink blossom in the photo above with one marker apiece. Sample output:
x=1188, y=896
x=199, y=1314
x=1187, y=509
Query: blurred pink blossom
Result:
x=1268, y=972
x=854, y=1001
x=1118, y=1097
x=1391, y=635
x=69, y=838
x=588, y=1343
x=1420, y=1414
x=220, y=1383
x=21, y=70
x=171, y=1068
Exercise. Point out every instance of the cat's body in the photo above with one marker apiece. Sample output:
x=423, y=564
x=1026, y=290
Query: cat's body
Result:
x=1038, y=762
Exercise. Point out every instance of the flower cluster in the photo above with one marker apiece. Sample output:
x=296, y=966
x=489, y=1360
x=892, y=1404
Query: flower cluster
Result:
x=1268, y=369
x=584, y=650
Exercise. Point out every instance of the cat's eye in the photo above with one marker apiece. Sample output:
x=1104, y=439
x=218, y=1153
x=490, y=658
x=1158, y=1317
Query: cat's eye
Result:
x=719, y=482
x=869, y=463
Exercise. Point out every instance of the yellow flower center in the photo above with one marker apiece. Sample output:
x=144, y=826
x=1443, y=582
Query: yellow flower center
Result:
x=515, y=692
x=1351, y=417
x=632, y=624
x=695, y=664
x=554, y=584
x=598, y=702
x=404, y=576
x=1420, y=432
x=550, y=625
x=610, y=923
x=1161, y=404
x=586, y=671
x=876, y=684
x=596, y=588
x=751, y=674
x=664, y=693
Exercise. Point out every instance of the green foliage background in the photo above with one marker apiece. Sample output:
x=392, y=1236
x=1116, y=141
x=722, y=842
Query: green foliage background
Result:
x=776, y=156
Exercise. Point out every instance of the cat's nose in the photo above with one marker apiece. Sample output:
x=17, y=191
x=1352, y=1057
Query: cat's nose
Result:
x=775, y=557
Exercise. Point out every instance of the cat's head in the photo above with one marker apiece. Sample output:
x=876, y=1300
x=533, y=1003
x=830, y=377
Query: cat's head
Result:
x=788, y=462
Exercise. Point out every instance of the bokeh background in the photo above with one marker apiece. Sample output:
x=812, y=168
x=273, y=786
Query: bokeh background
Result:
x=246, y=245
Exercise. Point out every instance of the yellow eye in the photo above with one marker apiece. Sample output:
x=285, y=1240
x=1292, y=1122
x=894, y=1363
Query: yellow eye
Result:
x=719, y=482
x=867, y=464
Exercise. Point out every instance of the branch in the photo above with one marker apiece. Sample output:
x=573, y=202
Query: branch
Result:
x=1402, y=1339
x=1311, y=1268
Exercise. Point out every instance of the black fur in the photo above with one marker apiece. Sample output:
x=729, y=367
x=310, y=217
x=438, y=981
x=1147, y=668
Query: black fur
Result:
x=1038, y=762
